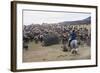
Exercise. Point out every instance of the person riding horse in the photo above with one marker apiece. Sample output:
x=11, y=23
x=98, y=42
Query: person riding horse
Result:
x=73, y=42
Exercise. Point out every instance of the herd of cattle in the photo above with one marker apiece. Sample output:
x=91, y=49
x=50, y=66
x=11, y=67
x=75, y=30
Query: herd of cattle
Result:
x=53, y=34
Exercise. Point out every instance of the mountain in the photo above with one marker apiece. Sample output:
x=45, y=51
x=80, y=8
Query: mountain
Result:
x=84, y=21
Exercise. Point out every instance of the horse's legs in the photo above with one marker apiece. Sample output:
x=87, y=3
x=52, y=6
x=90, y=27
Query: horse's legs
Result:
x=74, y=51
x=74, y=47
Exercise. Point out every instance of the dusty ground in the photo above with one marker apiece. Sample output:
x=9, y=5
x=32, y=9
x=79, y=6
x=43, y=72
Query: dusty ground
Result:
x=37, y=53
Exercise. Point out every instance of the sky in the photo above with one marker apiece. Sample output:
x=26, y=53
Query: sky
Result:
x=39, y=17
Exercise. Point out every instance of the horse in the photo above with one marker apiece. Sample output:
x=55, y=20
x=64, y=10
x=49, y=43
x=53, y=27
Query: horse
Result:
x=73, y=42
x=74, y=46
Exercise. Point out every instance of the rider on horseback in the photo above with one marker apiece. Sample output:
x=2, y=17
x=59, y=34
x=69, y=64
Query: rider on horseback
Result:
x=72, y=37
x=73, y=42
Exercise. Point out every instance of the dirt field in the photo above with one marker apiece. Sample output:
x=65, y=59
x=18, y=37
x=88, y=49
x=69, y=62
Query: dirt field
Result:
x=37, y=53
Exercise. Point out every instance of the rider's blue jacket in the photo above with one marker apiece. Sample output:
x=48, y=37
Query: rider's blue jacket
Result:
x=73, y=36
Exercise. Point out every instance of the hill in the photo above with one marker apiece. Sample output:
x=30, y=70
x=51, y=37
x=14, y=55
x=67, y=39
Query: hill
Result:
x=84, y=21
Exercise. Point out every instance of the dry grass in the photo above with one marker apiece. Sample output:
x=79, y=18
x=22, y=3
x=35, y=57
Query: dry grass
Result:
x=37, y=53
